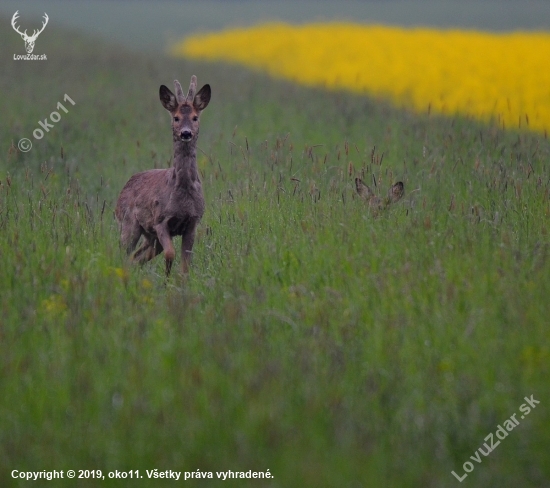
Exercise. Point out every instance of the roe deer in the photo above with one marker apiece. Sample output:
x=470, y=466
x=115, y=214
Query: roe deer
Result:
x=395, y=193
x=162, y=203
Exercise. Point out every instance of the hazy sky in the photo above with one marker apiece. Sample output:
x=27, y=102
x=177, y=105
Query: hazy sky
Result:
x=150, y=25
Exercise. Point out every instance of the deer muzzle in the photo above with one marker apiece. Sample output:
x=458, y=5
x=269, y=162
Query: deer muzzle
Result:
x=186, y=135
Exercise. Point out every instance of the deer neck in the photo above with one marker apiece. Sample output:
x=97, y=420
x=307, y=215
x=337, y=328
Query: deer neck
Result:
x=185, y=163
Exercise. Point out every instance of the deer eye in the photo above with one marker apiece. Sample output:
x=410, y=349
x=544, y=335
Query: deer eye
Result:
x=195, y=118
x=176, y=119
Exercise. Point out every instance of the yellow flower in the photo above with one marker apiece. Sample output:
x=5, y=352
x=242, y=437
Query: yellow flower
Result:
x=146, y=284
x=54, y=306
x=503, y=77
x=121, y=273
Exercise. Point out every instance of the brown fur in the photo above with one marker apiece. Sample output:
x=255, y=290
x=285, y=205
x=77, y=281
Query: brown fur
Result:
x=162, y=203
x=395, y=193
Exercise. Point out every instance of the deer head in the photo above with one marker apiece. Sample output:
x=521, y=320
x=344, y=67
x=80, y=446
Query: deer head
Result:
x=395, y=193
x=29, y=40
x=185, y=110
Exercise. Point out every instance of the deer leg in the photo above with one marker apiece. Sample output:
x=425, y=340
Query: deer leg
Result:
x=165, y=240
x=154, y=250
x=187, y=241
x=130, y=234
x=147, y=251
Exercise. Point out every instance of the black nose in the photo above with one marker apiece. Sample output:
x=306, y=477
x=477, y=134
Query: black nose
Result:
x=186, y=135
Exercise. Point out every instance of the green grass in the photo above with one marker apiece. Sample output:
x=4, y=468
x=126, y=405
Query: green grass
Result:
x=313, y=339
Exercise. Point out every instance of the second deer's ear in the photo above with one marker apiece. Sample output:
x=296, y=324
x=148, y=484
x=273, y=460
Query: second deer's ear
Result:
x=202, y=98
x=363, y=190
x=168, y=99
x=396, y=192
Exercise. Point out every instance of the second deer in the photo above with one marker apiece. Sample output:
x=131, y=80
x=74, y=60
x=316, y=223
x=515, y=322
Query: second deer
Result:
x=376, y=203
x=162, y=203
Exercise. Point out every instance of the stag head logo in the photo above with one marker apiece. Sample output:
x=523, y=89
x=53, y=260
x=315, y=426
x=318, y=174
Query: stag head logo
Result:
x=29, y=40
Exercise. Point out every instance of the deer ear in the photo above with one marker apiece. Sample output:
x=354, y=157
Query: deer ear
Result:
x=168, y=99
x=396, y=192
x=202, y=99
x=363, y=190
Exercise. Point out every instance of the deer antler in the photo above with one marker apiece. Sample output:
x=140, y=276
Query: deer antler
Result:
x=37, y=33
x=192, y=89
x=13, y=20
x=179, y=92
x=24, y=35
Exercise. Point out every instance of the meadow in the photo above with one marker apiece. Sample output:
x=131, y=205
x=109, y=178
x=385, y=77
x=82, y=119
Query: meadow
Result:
x=312, y=338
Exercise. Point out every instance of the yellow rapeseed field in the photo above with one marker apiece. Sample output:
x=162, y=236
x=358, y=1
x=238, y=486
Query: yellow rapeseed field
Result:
x=503, y=77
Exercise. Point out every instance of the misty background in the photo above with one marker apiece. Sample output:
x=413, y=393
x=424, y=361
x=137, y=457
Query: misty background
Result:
x=152, y=25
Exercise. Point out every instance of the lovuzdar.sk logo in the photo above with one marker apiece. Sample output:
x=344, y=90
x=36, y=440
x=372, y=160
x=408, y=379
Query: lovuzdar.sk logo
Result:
x=29, y=40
